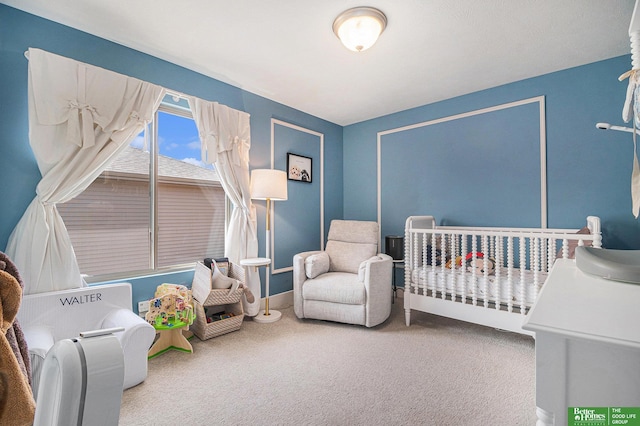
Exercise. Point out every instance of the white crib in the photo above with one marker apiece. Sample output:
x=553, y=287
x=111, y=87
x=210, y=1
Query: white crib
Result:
x=511, y=265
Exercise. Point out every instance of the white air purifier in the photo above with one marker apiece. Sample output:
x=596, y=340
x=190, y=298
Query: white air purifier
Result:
x=81, y=381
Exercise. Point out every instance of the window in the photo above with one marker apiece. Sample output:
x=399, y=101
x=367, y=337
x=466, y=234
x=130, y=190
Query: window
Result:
x=157, y=206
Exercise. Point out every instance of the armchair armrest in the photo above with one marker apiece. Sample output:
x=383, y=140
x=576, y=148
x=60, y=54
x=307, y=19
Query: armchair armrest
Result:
x=376, y=273
x=136, y=339
x=299, y=277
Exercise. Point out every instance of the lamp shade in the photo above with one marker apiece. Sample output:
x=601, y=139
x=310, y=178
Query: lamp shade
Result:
x=359, y=28
x=268, y=184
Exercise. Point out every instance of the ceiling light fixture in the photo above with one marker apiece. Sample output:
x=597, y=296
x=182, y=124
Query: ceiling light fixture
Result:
x=359, y=28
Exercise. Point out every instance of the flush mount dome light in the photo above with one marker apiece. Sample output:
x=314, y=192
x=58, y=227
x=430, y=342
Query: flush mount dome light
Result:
x=360, y=27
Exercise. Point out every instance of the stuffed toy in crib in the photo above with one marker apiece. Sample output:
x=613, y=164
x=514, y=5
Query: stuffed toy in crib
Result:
x=476, y=266
x=458, y=263
x=438, y=254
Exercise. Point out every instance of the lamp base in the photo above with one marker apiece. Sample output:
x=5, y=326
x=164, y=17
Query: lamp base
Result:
x=272, y=317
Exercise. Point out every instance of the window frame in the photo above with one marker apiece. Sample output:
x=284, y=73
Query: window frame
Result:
x=152, y=130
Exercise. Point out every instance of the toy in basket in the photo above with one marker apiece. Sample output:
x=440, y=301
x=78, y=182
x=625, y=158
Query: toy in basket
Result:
x=218, y=294
x=170, y=311
x=219, y=274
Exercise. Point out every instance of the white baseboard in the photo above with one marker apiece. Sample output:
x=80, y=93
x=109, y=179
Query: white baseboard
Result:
x=279, y=301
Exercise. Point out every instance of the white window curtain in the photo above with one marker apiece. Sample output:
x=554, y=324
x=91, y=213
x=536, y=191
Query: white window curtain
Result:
x=226, y=140
x=80, y=118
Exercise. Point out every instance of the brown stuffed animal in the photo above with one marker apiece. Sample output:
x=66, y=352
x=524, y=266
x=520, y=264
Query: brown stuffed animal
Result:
x=19, y=403
x=14, y=335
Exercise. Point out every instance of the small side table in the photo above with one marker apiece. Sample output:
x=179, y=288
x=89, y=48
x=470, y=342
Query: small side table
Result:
x=393, y=278
x=264, y=316
x=256, y=262
x=394, y=245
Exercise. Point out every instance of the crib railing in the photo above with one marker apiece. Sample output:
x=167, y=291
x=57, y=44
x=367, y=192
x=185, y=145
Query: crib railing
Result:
x=514, y=262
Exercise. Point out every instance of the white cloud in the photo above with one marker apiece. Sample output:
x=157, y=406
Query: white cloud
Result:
x=161, y=141
x=138, y=142
x=194, y=161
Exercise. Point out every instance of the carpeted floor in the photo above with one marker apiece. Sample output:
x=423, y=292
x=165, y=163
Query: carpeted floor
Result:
x=305, y=372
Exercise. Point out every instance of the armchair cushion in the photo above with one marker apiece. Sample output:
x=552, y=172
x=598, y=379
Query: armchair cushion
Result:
x=347, y=257
x=349, y=243
x=338, y=287
x=316, y=264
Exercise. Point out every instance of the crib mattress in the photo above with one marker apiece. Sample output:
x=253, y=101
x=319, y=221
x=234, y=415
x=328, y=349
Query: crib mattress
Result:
x=498, y=286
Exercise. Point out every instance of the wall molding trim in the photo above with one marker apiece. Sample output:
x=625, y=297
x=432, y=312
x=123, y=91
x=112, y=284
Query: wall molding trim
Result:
x=274, y=122
x=540, y=100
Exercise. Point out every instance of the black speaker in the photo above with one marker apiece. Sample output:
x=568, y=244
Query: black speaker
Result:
x=394, y=246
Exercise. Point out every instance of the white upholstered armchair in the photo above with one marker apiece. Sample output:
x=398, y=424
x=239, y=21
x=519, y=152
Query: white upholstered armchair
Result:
x=349, y=282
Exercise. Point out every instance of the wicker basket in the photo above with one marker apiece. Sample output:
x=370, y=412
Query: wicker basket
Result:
x=205, y=330
x=202, y=289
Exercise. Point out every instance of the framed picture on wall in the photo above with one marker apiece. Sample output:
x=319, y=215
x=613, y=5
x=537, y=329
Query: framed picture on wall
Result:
x=298, y=168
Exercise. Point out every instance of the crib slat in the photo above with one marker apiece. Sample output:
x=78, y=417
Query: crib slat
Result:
x=416, y=253
x=439, y=279
x=407, y=261
x=498, y=257
x=462, y=278
x=485, y=269
x=425, y=271
x=533, y=256
x=565, y=248
x=445, y=276
x=550, y=251
x=474, y=277
x=510, y=274
x=523, y=260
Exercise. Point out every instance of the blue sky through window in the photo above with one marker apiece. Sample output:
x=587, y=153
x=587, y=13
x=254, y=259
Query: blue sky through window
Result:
x=177, y=138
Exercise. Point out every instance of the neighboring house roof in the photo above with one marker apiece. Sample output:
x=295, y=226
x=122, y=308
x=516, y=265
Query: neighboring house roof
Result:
x=136, y=161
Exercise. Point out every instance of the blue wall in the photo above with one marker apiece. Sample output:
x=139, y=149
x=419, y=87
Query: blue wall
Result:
x=588, y=170
x=18, y=169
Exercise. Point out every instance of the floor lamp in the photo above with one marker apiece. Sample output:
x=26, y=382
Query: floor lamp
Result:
x=268, y=184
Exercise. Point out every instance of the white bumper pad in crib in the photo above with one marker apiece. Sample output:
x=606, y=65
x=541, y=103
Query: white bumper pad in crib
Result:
x=500, y=286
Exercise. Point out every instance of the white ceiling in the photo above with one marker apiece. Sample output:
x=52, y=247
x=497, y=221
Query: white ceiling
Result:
x=285, y=50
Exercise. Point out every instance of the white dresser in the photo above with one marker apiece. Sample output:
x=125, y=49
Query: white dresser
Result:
x=587, y=343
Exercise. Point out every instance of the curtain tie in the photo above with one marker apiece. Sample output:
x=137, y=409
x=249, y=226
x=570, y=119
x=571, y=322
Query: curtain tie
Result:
x=210, y=148
x=141, y=121
x=243, y=150
x=80, y=124
x=235, y=151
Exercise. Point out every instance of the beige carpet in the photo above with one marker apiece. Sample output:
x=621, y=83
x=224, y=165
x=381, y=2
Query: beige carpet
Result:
x=436, y=372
